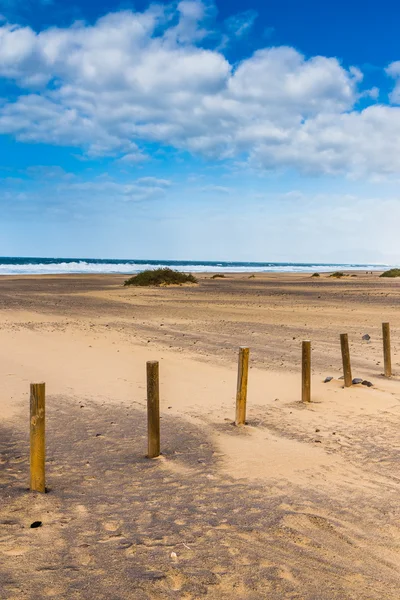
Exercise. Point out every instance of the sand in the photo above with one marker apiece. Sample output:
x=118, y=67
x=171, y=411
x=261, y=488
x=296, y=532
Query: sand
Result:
x=301, y=503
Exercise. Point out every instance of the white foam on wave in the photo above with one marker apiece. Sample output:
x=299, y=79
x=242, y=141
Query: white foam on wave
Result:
x=82, y=267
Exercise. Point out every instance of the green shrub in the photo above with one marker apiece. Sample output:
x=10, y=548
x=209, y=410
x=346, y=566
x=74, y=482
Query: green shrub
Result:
x=391, y=273
x=252, y=276
x=165, y=276
x=218, y=276
x=337, y=274
x=315, y=275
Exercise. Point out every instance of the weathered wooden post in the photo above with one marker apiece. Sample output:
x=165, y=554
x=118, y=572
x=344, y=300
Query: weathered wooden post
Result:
x=344, y=343
x=306, y=371
x=153, y=409
x=241, y=393
x=386, y=349
x=37, y=438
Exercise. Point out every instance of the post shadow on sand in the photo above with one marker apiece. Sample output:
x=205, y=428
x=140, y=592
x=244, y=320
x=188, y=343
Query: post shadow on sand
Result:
x=113, y=518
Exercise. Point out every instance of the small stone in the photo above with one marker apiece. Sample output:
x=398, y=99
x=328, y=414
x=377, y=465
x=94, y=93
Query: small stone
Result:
x=317, y=430
x=36, y=524
x=366, y=337
x=356, y=381
x=367, y=383
x=318, y=441
x=173, y=556
x=341, y=377
x=328, y=379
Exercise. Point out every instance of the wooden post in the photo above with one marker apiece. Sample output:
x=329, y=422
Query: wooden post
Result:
x=241, y=393
x=153, y=409
x=306, y=372
x=37, y=437
x=386, y=349
x=344, y=343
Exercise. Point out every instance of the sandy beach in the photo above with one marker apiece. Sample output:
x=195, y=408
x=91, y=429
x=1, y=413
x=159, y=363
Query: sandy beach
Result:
x=301, y=503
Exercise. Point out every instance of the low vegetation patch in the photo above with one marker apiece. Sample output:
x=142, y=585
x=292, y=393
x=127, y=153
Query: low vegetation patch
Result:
x=315, y=275
x=218, y=276
x=337, y=274
x=165, y=276
x=391, y=273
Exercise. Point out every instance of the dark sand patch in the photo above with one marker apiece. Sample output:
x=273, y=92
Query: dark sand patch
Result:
x=271, y=314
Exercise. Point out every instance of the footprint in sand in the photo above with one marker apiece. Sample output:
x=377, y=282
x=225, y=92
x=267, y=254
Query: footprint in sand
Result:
x=176, y=581
x=81, y=509
x=16, y=551
x=112, y=538
x=52, y=592
x=111, y=525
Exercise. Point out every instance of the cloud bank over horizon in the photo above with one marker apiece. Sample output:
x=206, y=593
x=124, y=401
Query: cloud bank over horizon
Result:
x=136, y=78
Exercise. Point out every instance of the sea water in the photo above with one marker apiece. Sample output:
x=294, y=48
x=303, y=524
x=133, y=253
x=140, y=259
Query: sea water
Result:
x=42, y=266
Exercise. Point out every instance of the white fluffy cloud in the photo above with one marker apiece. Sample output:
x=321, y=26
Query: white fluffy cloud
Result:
x=137, y=77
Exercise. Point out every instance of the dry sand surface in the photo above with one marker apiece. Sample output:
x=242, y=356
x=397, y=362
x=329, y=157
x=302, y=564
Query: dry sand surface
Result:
x=302, y=503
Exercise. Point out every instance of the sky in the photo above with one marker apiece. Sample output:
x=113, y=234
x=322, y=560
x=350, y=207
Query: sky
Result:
x=227, y=130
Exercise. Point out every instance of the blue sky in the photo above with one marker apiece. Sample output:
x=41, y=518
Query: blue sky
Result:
x=200, y=130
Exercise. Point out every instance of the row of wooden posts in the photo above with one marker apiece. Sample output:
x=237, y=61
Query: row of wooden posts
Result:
x=347, y=376
x=37, y=401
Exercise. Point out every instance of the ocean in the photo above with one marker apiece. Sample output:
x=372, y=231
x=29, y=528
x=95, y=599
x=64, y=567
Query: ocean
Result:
x=42, y=266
